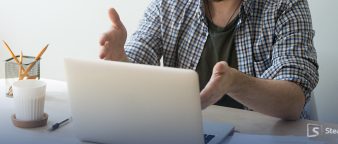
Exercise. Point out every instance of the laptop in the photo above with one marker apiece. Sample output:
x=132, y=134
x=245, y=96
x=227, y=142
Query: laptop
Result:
x=125, y=103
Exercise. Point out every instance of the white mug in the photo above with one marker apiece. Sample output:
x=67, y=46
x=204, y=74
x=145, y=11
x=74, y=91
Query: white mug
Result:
x=29, y=99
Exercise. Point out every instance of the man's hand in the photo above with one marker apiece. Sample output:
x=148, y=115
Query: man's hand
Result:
x=221, y=81
x=278, y=98
x=113, y=41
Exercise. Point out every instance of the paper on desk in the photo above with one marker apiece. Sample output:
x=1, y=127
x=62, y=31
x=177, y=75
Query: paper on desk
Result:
x=240, y=138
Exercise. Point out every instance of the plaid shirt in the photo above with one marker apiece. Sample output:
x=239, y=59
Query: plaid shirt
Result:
x=273, y=38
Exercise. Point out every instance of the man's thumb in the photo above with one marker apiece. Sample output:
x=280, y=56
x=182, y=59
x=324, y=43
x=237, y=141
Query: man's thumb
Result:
x=220, y=68
x=114, y=17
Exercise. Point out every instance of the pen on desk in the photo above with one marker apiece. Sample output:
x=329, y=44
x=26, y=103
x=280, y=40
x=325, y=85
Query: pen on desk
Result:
x=60, y=124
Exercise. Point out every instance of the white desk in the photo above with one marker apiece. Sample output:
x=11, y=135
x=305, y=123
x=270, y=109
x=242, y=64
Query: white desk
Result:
x=57, y=106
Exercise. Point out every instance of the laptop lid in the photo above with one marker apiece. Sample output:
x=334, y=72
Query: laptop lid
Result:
x=115, y=102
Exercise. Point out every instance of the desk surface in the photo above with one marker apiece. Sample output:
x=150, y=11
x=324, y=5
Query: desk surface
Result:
x=256, y=123
x=57, y=106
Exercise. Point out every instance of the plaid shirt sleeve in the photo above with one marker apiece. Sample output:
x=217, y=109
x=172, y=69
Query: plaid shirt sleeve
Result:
x=294, y=56
x=145, y=45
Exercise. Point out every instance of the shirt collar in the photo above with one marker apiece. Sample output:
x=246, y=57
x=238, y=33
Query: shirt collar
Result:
x=246, y=6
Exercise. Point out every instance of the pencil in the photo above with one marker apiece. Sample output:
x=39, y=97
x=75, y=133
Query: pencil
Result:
x=41, y=52
x=21, y=55
x=28, y=69
x=36, y=59
x=20, y=63
x=12, y=54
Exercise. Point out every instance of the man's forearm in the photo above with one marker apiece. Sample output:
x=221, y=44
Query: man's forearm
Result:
x=283, y=99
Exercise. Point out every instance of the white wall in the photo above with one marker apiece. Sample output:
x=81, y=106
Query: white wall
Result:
x=73, y=28
x=325, y=20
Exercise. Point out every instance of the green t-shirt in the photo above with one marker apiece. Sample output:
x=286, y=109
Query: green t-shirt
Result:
x=220, y=46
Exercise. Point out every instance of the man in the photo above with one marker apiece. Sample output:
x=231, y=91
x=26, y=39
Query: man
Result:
x=255, y=54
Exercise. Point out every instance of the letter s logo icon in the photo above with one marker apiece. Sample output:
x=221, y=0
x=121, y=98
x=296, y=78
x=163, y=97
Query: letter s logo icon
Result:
x=313, y=130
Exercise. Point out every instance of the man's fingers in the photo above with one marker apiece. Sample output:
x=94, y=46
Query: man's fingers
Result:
x=204, y=99
x=114, y=17
x=208, y=96
x=104, y=50
x=208, y=90
x=103, y=39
